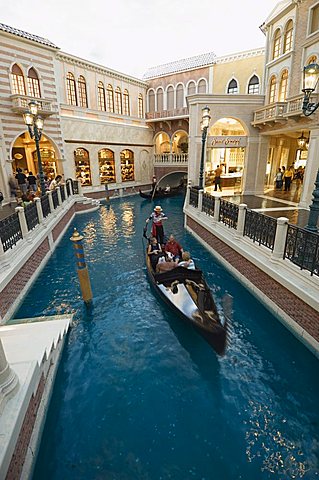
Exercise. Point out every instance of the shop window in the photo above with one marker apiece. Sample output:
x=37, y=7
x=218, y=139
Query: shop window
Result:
x=191, y=88
x=118, y=101
x=253, y=86
x=277, y=44
x=283, y=86
x=126, y=103
x=110, y=99
x=170, y=98
x=272, y=89
x=127, y=165
x=49, y=163
x=160, y=100
x=288, y=36
x=314, y=19
x=202, y=86
x=232, y=87
x=82, y=166
x=33, y=83
x=71, y=89
x=106, y=166
x=18, y=85
x=151, y=101
x=83, y=101
x=140, y=106
x=312, y=59
x=101, y=97
x=180, y=96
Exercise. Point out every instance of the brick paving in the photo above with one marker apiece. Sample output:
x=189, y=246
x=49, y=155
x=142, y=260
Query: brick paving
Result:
x=304, y=315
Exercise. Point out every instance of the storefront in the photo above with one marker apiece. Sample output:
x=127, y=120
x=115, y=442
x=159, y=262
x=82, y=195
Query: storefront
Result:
x=106, y=166
x=82, y=166
x=127, y=165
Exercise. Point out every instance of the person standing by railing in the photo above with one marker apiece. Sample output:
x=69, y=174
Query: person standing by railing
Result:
x=288, y=177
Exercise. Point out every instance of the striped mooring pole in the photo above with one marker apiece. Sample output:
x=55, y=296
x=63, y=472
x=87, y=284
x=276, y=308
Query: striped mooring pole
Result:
x=83, y=272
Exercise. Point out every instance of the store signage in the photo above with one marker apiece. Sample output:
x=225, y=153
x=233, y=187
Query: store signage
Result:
x=223, y=141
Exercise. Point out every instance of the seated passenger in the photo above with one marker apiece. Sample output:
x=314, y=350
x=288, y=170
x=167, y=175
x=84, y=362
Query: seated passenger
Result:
x=187, y=262
x=154, y=251
x=166, y=265
x=173, y=247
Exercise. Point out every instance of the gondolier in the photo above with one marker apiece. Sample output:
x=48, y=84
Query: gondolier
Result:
x=157, y=217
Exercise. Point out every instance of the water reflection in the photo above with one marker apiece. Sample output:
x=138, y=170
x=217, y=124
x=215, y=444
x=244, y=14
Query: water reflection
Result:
x=127, y=220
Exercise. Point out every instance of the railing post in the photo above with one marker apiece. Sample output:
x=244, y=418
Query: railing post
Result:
x=216, y=209
x=59, y=196
x=39, y=209
x=242, y=208
x=200, y=200
x=80, y=188
x=280, y=238
x=22, y=221
x=65, y=191
x=49, y=194
x=188, y=193
x=9, y=382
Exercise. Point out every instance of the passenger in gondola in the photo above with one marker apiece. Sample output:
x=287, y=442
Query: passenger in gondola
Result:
x=154, y=252
x=157, y=218
x=187, y=262
x=166, y=264
x=174, y=247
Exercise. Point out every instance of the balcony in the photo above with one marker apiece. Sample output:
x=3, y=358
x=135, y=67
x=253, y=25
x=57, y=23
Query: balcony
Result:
x=167, y=114
x=20, y=103
x=271, y=114
x=171, y=159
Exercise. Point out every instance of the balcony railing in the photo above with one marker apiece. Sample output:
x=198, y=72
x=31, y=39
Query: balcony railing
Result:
x=302, y=248
x=169, y=158
x=20, y=103
x=271, y=113
x=176, y=112
x=260, y=228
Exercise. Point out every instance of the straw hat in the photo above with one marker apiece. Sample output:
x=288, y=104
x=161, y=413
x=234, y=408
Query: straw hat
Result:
x=157, y=209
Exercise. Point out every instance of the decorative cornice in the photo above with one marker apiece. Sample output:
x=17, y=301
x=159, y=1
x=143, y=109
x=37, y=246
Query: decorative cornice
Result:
x=94, y=67
x=241, y=55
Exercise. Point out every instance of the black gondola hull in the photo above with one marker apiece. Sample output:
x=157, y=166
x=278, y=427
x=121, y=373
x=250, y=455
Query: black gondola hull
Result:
x=162, y=194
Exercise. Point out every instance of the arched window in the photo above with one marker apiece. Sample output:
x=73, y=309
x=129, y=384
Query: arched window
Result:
x=191, y=88
x=160, y=100
x=140, y=106
x=71, y=89
x=170, y=98
x=106, y=166
x=101, y=97
x=277, y=44
x=126, y=103
x=202, y=86
x=82, y=166
x=151, y=101
x=83, y=101
x=180, y=96
x=283, y=86
x=110, y=98
x=253, y=86
x=288, y=36
x=272, y=89
x=232, y=87
x=312, y=59
x=33, y=83
x=118, y=101
x=18, y=85
x=127, y=165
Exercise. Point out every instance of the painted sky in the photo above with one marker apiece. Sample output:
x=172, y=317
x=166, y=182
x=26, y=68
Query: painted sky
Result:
x=133, y=35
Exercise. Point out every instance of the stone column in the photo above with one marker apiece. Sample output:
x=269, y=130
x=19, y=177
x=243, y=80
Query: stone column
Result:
x=241, y=220
x=39, y=209
x=49, y=194
x=59, y=195
x=216, y=209
x=280, y=239
x=200, y=200
x=9, y=382
x=310, y=170
x=23, y=222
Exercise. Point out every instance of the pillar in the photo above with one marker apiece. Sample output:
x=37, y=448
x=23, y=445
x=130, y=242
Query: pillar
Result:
x=39, y=209
x=242, y=208
x=200, y=200
x=310, y=170
x=9, y=382
x=59, y=196
x=280, y=239
x=23, y=222
x=216, y=209
x=49, y=194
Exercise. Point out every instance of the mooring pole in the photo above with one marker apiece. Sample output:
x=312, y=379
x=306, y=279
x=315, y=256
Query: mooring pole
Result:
x=83, y=272
x=107, y=194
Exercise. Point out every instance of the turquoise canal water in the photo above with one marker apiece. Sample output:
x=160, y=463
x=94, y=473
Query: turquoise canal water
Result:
x=140, y=395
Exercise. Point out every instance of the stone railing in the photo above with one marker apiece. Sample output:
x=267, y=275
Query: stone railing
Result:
x=286, y=241
x=171, y=158
x=271, y=112
x=20, y=103
x=176, y=112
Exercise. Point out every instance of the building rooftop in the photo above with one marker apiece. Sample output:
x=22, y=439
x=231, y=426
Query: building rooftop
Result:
x=181, y=65
x=28, y=36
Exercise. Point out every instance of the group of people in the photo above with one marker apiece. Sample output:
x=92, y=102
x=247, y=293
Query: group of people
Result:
x=24, y=186
x=285, y=176
x=169, y=255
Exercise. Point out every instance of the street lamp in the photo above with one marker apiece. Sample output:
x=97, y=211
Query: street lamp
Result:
x=310, y=82
x=302, y=142
x=204, y=127
x=35, y=125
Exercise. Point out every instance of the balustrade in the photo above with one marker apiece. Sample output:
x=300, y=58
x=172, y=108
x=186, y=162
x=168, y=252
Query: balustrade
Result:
x=302, y=248
x=31, y=215
x=10, y=231
x=260, y=228
x=55, y=198
x=171, y=158
x=208, y=204
x=193, y=198
x=45, y=205
x=228, y=213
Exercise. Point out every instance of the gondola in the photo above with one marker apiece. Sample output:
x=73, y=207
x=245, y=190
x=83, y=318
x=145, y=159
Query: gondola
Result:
x=159, y=193
x=188, y=294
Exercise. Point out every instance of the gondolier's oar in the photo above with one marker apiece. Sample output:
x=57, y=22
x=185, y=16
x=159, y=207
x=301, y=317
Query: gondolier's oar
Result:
x=154, y=191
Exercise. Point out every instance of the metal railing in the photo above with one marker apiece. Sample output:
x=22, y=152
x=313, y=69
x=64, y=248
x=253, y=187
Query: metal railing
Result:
x=10, y=231
x=228, y=213
x=260, y=228
x=62, y=193
x=31, y=216
x=302, y=248
x=45, y=205
x=193, y=198
x=55, y=198
x=208, y=204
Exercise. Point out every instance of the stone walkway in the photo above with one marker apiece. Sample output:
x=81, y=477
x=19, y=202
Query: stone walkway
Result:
x=7, y=210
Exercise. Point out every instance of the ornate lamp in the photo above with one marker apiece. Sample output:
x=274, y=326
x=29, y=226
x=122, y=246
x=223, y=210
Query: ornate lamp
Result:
x=204, y=127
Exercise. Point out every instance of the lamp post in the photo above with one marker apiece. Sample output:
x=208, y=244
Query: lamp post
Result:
x=310, y=82
x=204, y=126
x=35, y=125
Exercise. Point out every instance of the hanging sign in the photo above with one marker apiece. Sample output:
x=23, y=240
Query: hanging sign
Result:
x=223, y=141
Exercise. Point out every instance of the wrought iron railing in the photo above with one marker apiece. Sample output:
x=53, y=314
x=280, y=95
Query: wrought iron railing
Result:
x=260, y=228
x=55, y=198
x=193, y=198
x=302, y=248
x=45, y=205
x=75, y=186
x=228, y=213
x=31, y=215
x=208, y=204
x=10, y=231
x=62, y=193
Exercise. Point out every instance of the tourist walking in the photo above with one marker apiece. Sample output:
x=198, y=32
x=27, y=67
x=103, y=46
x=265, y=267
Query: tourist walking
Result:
x=22, y=181
x=218, y=173
x=32, y=181
x=288, y=177
x=278, y=179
